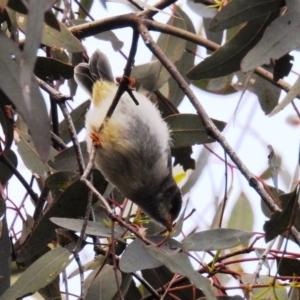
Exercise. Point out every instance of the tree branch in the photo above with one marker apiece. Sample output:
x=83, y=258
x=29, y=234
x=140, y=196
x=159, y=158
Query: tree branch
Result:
x=209, y=125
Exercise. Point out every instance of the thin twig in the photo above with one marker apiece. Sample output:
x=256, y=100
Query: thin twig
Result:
x=225, y=190
x=12, y=168
x=73, y=135
x=261, y=261
x=40, y=204
x=58, y=141
x=57, y=96
x=79, y=242
x=97, y=194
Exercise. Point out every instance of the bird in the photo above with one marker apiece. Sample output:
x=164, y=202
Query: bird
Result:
x=133, y=146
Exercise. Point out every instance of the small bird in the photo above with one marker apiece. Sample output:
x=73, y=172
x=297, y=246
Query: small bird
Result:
x=133, y=147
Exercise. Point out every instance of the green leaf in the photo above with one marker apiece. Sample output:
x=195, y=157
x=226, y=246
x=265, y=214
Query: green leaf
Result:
x=5, y=254
x=288, y=266
x=289, y=97
x=30, y=155
x=227, y=58
x=5, y=172
x=51, y=290
x=185, y=63
x=104, y=285
x=34, y=23
x=93, y=228
x=10, y=84
x=6, y=122
x=61, y=180
x=240, y=11
x=183, y=157
x=281, y=221
x=188, y=130
x=267, y=93
x=54, y=38
x=18, y=6
x=136, y=257
x=87, y=4
x=2, y=207
x=70, y=204
x=39, y=274
x=78, y=117
x=66, y=160
x=216, y=239
x=241, y=216
x=179, y=263
x=47, y=67
x=280, y=37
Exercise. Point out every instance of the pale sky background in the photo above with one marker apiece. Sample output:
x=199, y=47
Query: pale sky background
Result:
x=249, y=135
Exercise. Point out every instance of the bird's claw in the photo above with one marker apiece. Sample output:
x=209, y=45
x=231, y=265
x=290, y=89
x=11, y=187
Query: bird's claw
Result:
x=95, y=138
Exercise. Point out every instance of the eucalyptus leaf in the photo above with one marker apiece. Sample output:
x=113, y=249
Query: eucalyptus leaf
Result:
x=39, y=274
x=136, y=257
x=188, y=130
x=34, y=106
x=216, y=239
x=103, y=284
x=70, y=204
x=279, y=38
x=227, y=58
x=5, y=172
x=30, y=156
x=281, y=221
x=66, y=160
x=179, y=263
x=62, y=38
x=93, y=228
x=240, y=11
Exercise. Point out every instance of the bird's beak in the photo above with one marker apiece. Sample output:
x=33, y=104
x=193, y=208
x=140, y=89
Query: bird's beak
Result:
x=169, y=223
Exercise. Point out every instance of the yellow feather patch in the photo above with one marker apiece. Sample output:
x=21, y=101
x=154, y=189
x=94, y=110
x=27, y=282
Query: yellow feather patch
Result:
x=100, y=91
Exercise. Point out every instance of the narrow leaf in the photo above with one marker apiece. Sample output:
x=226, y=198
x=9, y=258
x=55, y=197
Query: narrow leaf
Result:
x=52, y=37
x=216, y=239
x=10, y=84
x=34, y=27
x=188, y=130
x=280, y=37
x=47, y=67
x=227, y=58
x=240, y=11
x=70, y=204
x=282, y=220
x=241, y=216
x=104, y=285
x=179, y=263
x=39, y=274
x=273, y=164
x=289, y=97
x=93, y=228
x=136, y=257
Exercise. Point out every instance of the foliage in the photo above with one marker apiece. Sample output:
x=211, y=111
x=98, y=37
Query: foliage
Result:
x=75, y=208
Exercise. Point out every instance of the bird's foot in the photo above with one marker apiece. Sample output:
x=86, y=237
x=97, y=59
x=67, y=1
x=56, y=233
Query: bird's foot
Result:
x=130, y=81
x=95, y=138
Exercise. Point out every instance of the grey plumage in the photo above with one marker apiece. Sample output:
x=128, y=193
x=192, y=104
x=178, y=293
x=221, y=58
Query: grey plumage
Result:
x=134, y=154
